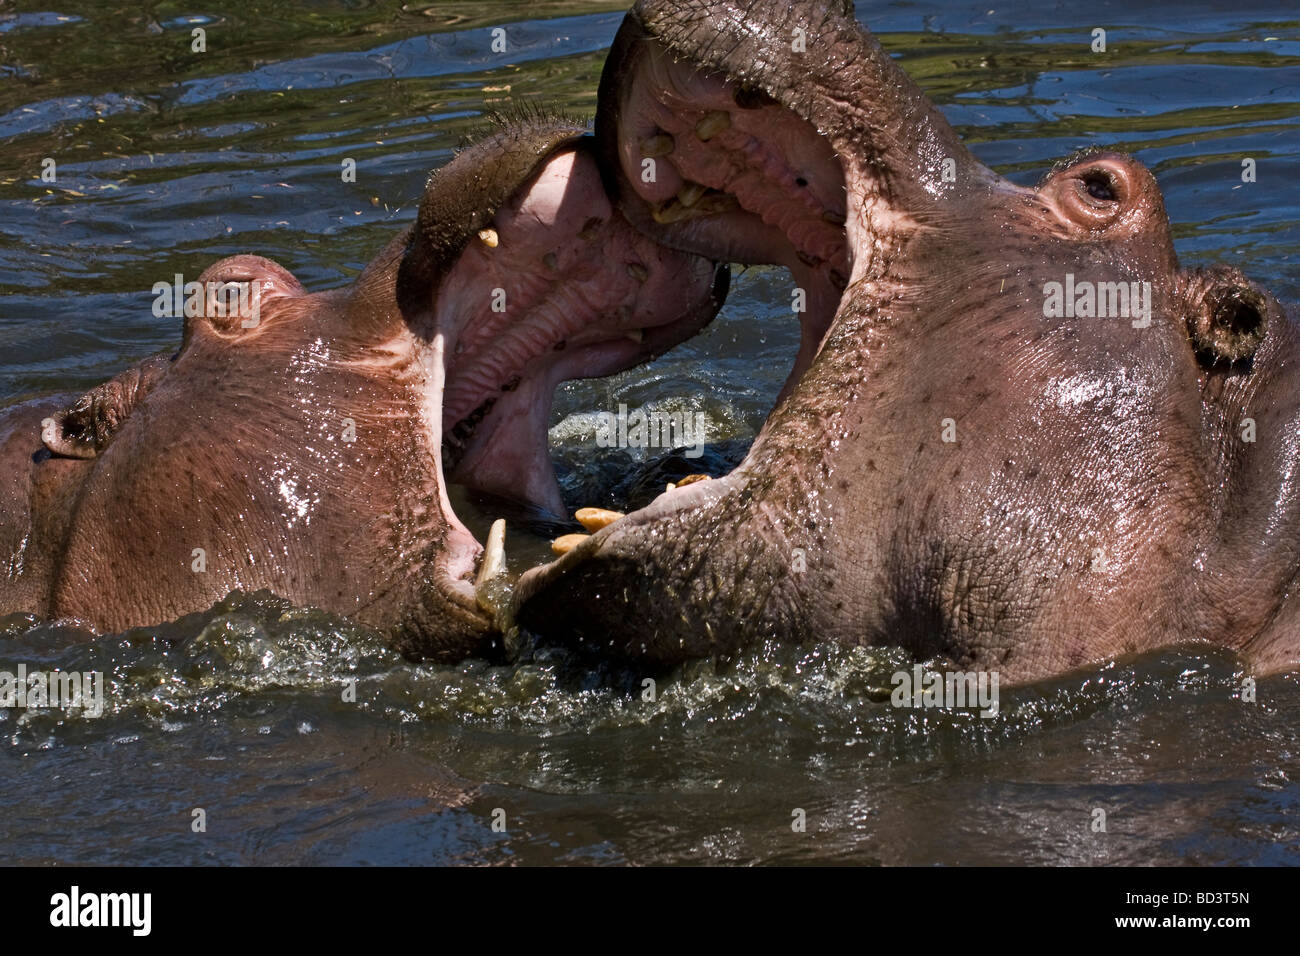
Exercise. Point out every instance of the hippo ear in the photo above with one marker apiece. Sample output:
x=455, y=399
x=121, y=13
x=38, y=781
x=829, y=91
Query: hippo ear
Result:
x=84, y=428
x=228, y=297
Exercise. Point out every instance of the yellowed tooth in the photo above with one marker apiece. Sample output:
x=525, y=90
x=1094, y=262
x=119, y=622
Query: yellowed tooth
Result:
x=692, y=479
x=567, y=542
x=636, y=335
x=689, y=194
x=658, y=145
x=551, y=262
x=713, y=124
x=707, y=203
x=494, y=553
x=670, y=487
x=670, y=211
x=489, y=237
x=490, y=587
x=637, y=271
x=593, y=519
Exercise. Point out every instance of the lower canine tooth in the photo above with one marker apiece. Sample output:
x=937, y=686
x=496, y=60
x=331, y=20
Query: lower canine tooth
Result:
x=637, y=271
x=637, y=336
x=593, y=519
x=567, y=542
x=660, y=145
x=494, y=554
x=489, y=237
x=712, y=125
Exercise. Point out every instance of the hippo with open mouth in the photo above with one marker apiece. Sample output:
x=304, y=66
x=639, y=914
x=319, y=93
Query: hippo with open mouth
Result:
x=1017, y=435
x=303, y=443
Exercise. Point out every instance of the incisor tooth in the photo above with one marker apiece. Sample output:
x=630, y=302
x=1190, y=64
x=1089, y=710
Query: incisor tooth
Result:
x=593, y=519
x=707, y=203
x=494, y=554
x=660, y=145
x=713, y=124
x=567, y=542
x=692, y=479
x=489, y=237
x=689, y=194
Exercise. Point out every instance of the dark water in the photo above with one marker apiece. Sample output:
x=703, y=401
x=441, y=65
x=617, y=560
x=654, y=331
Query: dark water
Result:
x=168, y=160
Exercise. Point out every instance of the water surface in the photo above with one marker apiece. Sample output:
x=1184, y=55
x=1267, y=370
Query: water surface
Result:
x=168, y=160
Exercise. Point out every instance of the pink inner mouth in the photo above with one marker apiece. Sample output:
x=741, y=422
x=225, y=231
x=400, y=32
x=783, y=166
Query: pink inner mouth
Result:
x=734, y=176
x=559, y=287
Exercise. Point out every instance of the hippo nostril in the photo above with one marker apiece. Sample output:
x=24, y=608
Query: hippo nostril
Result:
x=1239, y=317
x=1099, y=185
x=1228, y=317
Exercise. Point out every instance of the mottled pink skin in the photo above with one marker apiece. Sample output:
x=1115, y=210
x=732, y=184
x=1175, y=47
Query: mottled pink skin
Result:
x=303, y=454
x=956, y=471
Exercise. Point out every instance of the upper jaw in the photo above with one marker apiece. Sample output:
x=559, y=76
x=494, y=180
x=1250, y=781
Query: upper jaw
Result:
x=817, y=61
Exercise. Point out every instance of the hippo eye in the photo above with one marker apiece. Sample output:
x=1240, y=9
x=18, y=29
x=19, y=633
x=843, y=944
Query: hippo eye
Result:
x=1099, y=185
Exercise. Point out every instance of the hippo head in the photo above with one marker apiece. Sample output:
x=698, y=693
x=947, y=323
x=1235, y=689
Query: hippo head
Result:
x=307, y=449
x=1017, y=436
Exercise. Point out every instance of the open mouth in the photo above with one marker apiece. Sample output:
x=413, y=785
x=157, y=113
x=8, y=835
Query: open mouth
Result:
x=553, y=285
x=711, y=165
x=707, y=164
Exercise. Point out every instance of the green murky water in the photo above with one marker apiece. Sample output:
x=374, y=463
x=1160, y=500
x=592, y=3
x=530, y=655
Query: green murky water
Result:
x=169, y=160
